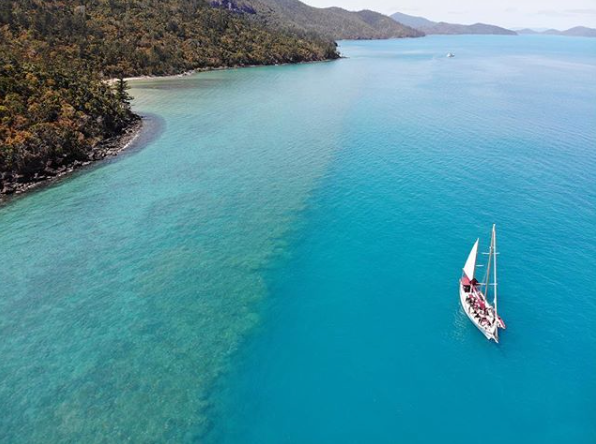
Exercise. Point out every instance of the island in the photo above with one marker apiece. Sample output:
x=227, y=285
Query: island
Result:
x=429, y=27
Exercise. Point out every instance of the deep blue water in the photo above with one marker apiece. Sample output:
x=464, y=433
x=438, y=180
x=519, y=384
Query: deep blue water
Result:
x=277, y=261
x=363, y=339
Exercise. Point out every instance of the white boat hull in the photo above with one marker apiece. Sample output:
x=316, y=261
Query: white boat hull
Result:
x=489, y=331
x=474, y=302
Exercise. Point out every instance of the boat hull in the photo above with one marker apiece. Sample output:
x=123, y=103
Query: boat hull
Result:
x=490, y=333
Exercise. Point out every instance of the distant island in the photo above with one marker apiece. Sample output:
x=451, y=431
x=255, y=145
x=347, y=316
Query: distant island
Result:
x=429, y=27
x=578, y=31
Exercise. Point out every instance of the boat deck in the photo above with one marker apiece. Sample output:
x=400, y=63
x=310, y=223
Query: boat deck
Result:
x=479, y=310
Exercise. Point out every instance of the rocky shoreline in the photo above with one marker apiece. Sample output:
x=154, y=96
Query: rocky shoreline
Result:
x=14, y=184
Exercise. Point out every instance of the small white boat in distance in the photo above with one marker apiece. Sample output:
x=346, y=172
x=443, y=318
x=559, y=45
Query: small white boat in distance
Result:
x=473, y=294
x=450, y=54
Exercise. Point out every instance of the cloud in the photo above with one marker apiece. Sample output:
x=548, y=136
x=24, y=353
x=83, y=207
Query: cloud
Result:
x=549, y=13
x=566, y=12
x=581, y=11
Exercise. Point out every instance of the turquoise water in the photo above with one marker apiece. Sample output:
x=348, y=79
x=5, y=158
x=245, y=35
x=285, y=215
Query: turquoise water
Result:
x=276, y=260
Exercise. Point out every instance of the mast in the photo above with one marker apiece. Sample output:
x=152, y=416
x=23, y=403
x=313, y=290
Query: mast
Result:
x=487, y=279
x=494, y=250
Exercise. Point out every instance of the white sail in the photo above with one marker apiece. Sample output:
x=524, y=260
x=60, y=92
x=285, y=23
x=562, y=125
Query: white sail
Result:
x=470, y=266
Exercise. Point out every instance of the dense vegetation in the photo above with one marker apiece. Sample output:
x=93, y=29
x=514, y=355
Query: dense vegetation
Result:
x=134, y=37
x=55, y=55
x=52, y=112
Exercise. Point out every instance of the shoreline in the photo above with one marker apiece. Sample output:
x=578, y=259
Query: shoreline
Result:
x=115, y=145
x=105, y=149
x=111, y=81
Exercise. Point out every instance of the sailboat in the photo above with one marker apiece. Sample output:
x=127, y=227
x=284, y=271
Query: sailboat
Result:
x=474, y=295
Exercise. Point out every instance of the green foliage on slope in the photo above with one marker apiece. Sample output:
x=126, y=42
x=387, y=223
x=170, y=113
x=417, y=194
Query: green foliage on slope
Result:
x=52, y=113
x=55, y=107
x=335, y=23
x=135, y=37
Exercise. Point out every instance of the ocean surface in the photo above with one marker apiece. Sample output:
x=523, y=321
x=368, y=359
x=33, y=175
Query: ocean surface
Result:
x=276, y=259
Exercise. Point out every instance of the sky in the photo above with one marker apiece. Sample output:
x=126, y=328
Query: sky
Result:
x=560, y=14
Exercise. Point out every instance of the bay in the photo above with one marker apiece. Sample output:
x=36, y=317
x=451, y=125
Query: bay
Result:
x=276, y=260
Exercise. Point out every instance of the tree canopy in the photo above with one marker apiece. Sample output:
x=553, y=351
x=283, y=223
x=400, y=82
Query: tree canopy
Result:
x=55, y=105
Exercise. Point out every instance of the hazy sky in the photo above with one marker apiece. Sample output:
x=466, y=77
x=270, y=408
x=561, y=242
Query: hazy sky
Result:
x=560, y=14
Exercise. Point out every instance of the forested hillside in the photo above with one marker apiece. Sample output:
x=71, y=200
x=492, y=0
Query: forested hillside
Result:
x=55, y=107
x=135, y=37
x=333, y=23
x=52, y=113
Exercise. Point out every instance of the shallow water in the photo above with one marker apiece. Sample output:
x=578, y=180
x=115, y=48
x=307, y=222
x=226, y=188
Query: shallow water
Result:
x=279, y=261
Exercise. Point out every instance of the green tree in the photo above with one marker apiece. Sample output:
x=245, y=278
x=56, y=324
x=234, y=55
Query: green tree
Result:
x=122, y=91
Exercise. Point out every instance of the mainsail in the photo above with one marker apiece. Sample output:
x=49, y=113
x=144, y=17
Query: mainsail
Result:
x=470, y=266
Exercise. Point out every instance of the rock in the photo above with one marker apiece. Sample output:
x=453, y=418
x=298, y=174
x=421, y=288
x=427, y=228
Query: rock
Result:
x=97, y=155
x=8, y=188
x=12, y=183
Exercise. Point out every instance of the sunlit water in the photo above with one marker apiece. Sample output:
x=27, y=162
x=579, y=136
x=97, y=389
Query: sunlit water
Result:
x=276, y=260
